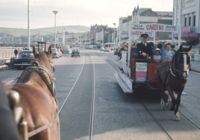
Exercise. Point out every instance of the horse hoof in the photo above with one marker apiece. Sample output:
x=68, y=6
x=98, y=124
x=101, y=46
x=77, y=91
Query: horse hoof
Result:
x=169, y=105
x=178, y=116
x=162, y=104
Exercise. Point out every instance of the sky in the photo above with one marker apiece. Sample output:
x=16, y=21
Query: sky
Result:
x=72, y=12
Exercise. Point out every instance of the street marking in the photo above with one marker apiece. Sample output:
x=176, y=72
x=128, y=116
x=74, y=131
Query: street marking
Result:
x=91, y=125
x=71, y=89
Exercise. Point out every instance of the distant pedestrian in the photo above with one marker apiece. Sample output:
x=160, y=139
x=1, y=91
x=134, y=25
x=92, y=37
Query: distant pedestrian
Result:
x=16, y=52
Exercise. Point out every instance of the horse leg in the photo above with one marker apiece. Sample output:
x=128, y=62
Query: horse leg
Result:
x=173, y=100
x=178, y=100
x=163, y=100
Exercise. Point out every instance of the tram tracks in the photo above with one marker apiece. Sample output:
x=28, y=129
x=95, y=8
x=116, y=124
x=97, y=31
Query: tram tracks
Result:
x=76, y=97
x=71, y=89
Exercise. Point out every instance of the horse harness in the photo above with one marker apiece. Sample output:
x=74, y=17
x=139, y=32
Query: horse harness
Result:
x=49, y=80
x=172, y=71
x=44, y=73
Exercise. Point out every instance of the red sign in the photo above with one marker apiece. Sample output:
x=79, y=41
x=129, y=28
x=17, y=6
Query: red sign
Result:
x=156, y=27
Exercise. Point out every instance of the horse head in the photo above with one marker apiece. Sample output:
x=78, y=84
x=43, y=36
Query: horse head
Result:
x=181, y=63
x=43, y=59
x=44, y=66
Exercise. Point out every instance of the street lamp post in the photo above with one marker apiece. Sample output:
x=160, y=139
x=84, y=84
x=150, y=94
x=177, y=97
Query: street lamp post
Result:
x=114, y=33
x=179, y=22
x=28, y=26
x=55, y=12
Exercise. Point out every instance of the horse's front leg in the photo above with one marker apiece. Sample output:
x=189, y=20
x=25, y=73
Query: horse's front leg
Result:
x=173, y=100
x=163, y=100
x=176, y=111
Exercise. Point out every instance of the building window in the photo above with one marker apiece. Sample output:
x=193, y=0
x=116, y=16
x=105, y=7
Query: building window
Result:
x=189, y=24
x=194, y=21
x=185, y=23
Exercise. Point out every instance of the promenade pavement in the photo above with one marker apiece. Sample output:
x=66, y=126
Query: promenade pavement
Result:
x=195, y=66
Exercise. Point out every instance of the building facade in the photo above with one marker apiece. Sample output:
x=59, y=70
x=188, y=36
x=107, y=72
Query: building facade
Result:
x=190, y=15
x=101, y=34
x=188, y=11
x=144, y=16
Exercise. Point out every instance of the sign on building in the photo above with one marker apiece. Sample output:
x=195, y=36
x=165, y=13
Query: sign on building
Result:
x=154, y=27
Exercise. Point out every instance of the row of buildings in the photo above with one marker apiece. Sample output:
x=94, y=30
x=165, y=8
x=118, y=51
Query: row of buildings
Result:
x=185, y=11
x=103, y=34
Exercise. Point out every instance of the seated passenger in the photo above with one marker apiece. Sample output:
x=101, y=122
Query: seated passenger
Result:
x=167, y=52
x=144, y=49
x=157, y=56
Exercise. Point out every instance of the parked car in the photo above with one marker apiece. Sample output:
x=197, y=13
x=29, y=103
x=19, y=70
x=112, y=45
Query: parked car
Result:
x=67, y=49
x=56, y=53
x=104, y=49
x=75, y=52
x=23, y=59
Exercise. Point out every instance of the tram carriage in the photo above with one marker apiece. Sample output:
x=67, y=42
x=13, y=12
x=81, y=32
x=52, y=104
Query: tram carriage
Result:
x=136, y=72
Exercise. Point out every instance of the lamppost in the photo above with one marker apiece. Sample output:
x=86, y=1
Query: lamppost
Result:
x=28, y=26
x=55, y=12
x=114, y=34
x=179, y=22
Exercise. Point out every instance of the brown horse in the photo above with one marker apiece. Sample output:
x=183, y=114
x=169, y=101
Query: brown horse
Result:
x=173, y=77
x=37, y=97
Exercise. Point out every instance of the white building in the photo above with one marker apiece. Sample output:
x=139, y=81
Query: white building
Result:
x=190, y=21
x=190, y=15
x=143, y=16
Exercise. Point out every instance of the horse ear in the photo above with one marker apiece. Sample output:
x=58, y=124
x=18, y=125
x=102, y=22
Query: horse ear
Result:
x=34, y=51
x=49, y=50
x=189, y=48
x=180, y=48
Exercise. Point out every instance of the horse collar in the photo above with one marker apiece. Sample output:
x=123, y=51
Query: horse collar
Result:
x=46, y=76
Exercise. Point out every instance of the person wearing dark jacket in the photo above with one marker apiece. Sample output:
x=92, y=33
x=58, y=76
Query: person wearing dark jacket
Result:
x=144, y=49
x=8, y=127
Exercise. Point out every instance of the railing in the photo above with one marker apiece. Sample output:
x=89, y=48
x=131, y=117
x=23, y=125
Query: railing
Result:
x=6, y=53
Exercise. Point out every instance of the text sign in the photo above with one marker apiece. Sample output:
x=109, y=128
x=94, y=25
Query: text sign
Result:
x=154, y=27
x=141, y=72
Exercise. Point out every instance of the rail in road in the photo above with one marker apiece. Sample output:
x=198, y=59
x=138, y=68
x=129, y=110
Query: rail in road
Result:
x=87, y=109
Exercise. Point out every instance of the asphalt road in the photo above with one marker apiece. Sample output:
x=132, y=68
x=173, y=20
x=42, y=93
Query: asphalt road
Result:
x=92, y=105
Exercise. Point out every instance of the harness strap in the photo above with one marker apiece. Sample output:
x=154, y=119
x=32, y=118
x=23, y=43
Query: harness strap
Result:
x=46, y=76
x=38, y=130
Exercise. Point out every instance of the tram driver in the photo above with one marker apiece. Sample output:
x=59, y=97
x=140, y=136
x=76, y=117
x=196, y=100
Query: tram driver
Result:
x=144, y=49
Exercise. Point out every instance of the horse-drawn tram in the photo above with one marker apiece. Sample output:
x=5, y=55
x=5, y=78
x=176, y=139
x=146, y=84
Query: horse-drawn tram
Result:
x=141, y=66
x=137, y=72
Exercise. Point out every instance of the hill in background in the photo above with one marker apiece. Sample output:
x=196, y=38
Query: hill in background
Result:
x=23, y=32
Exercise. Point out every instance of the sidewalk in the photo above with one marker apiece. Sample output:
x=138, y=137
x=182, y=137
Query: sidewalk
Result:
x=195, y=66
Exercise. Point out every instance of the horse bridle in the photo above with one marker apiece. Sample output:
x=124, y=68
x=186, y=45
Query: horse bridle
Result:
x=173, y=70
x=46, y=75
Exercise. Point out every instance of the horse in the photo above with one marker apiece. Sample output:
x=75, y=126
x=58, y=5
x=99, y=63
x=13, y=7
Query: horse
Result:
x=173, y=76
x=37, y=97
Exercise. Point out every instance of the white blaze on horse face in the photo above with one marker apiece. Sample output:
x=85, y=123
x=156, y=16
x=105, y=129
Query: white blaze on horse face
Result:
x=186, y=65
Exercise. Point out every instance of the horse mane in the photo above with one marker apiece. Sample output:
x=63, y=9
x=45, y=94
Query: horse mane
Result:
x=45, y=75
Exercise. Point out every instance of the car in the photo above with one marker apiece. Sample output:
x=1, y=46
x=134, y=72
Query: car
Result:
x=23, y=59
x=104, y=49
x=56, y=53
x=67, y=49
x=75, y=52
